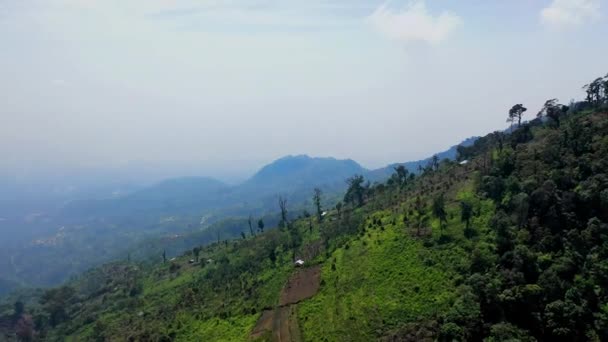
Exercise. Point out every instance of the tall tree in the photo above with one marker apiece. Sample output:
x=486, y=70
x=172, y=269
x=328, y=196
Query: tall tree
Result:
x=250, y=222
x=466, y=213
x=499, y=137
x=516, y=112
x=421, y=216
x=261, y=225
x=605, y=88
x=316, y=198
x=272, y=254
x=196, y=251
x=594, y=91
x=440, y=212
x=435, y=162
x=283, y=207
x=309, y=217
x=510, y=121
x=164, y=256
x=553, y=109
x=354, y=194
x=400, y=175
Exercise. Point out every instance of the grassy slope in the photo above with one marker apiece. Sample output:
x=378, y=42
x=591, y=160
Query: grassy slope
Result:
x=168, y=306
x=376, y=278
x=386, y=277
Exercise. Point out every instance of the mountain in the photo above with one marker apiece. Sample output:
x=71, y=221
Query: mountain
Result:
x=290, y=176
x=511, y=246
x=412, y=166
x=169, y=214
x=302, y=170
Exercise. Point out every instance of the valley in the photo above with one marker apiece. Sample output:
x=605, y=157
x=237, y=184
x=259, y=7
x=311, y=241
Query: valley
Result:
x=482, y=250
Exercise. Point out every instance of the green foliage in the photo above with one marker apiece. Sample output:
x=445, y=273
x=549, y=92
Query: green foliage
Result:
x=356, y=191
x=376, y=283
x=530, y=263
x=439, y=210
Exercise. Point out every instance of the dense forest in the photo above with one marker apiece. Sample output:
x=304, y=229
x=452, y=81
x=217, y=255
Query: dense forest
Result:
x=508, y=243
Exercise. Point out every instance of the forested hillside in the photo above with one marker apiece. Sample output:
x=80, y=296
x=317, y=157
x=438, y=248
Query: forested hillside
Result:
x=509, y=243
x=46, y=248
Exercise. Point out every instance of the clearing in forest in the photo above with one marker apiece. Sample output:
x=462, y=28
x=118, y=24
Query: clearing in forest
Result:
x=281, y=323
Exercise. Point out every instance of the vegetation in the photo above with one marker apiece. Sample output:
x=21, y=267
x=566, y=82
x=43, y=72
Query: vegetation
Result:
x=510, y=246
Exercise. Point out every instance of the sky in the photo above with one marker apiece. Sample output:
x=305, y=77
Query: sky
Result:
x=162, y=88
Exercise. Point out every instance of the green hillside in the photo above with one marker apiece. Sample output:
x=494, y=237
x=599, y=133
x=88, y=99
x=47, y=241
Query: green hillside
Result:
x=510, y=243
x=173, y=215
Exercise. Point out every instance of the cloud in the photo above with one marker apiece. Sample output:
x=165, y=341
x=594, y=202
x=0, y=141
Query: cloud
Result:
x=568, y=13
x=414, y=23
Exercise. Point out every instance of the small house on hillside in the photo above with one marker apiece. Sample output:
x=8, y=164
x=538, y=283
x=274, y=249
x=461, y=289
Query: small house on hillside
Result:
x=299, y=263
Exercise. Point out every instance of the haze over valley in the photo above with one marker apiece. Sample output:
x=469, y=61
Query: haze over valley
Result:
x=323, y=170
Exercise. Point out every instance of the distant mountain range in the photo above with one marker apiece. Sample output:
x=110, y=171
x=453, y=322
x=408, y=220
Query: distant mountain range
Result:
x=292, y=176
x=412, y=166
x=179, y=209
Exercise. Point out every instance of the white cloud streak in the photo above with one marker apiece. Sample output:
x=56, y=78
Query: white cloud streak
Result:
x=569, y=13
x=414, y=23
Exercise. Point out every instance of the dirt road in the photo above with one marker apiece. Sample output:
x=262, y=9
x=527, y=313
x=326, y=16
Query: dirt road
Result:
x=281, y=324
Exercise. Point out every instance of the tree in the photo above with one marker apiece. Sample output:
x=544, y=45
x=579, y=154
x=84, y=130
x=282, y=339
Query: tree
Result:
x=420, y=169
x=510, y=122
x=421, y=217
x=594, y=91
x=164, y=256
x=317, y=200
x=283, y=207
x=499, y=137
x=196, y=251
x=250, y=222
x=435, y=162
x=516, y=112
x=243, y=235
x=309, y=217
x=272, y=254
x=261, y=225
x=605, y=88
x=466, y=213
x=401, y=175
x=54, y=302
x=440, y=212
x=553, y=110
x=355, y=192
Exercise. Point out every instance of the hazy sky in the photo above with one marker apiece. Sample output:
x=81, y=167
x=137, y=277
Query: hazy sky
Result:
x=220, y=87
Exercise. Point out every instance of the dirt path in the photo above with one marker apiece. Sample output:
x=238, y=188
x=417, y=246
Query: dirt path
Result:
x=303, y=284
x=282, y=322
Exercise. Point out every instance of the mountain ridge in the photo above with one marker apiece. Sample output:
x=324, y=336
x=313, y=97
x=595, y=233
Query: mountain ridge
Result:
x=183, y=206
